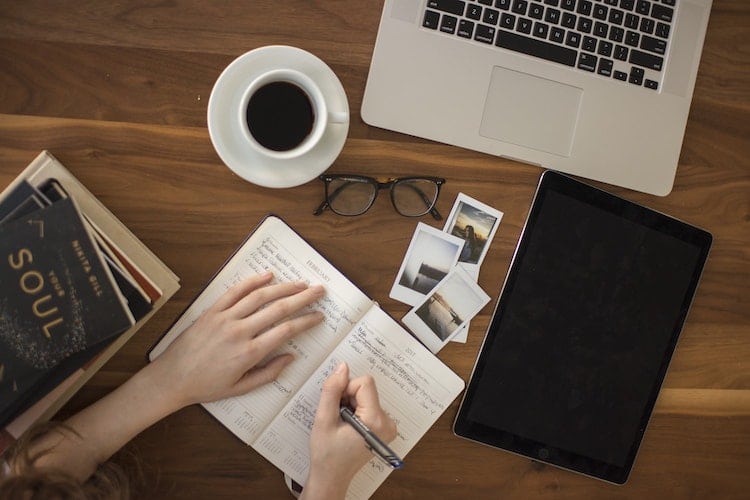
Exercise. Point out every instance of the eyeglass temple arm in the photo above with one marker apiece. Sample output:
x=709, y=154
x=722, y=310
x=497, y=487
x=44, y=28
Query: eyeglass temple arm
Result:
x=321, y=208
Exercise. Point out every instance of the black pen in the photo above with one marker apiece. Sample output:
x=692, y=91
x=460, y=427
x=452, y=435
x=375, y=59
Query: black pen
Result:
x=378, y=447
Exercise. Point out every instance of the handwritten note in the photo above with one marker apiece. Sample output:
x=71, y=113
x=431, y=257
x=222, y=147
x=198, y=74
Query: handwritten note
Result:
x=274, y=247
x=414, y=388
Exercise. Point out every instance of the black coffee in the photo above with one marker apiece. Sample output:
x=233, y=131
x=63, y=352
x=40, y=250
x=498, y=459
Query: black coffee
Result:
x=280, y=116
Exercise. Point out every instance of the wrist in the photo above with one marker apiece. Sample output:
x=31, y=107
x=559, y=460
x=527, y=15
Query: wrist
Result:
x=325, y=485
x=156, y=376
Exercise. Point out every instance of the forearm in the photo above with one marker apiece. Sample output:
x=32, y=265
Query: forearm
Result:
x=107, y=425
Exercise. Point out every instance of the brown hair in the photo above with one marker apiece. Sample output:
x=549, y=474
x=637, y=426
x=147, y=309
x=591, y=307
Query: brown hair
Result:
x=23, y=480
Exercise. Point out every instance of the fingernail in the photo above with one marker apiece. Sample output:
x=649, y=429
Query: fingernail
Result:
x=318, y=289
x=340, y=368
x=301, y=284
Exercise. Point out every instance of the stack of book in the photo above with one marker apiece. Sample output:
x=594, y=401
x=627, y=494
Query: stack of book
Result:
x=75, y=285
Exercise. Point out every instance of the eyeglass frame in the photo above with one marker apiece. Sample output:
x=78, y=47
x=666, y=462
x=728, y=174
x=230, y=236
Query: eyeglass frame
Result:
x=389, y=183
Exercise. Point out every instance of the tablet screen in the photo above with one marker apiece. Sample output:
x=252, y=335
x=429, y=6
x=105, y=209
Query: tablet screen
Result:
x=584, y=329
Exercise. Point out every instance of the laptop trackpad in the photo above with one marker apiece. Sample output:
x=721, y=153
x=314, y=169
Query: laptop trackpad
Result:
x=530, y=111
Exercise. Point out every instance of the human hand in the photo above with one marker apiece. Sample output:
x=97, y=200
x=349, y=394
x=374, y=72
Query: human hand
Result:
x=219, y=355
x=337, y=451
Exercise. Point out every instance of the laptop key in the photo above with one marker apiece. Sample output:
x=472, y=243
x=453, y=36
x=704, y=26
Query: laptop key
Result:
x=507, y=21
x=538, y=48
x=536, y=11
x=431, y=19
x=601, y=29
x=568, y=4
x=621, y=53
x=584, y=7
x=647, y=25
x=491, y=16
x=620, y=75
x=448, y=24
x=636, y=75
x=465, y=28
x=616, y=34
x=662, y=30
x=573, y=39
x=653, y=44
x=502, y=4
x=569, y=20
x=557, y=35
x=651, y=84
x=646, y=60
x=631, y=21
x=524, y=25
x=605, y=67
x=585, y=24
x=484, y=34
x=474, y=12
x=455, y=7
x=589, y=44
x=552, y=16
x=632, y=38
x=519, y=7
x=600, y=12
x=587, y=62
x=541, y=30
x=662, y=12
x=604, y=48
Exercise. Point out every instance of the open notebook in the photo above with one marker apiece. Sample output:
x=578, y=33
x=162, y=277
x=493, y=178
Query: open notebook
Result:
x=415, y=387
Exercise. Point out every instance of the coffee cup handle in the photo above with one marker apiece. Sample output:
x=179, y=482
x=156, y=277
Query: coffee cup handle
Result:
x=338, y=117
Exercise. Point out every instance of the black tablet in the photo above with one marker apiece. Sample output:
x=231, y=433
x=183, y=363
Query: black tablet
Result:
x=583, y=331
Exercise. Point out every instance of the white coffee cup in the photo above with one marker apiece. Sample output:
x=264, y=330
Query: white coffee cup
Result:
x=321, y=115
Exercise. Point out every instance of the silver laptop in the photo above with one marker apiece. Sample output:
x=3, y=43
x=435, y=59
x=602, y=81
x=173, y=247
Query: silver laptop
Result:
x=596, y=88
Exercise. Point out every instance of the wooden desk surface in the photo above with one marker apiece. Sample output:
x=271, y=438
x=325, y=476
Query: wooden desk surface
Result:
x=118, y=92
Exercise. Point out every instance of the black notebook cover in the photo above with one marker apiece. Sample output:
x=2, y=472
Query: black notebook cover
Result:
x=57, y=298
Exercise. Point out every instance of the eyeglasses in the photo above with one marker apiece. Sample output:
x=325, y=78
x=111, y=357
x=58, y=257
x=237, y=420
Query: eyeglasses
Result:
x=355, y=194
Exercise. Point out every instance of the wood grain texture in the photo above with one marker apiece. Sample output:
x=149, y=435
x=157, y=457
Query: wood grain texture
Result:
x=118, y=92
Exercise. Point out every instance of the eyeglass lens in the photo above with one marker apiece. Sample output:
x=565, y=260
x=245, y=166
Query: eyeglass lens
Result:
x=350, y=196
x=414, y=197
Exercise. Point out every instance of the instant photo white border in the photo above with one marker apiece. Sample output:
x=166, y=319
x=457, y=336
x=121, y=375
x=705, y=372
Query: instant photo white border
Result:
x=409, y=295
x=493, y=212
x=463, y=333
x=423, y=332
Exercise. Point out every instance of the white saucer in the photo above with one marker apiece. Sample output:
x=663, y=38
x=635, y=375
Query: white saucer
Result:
x=224, y=128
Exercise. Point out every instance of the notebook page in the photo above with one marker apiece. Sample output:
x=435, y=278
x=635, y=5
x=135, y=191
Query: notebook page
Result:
x=275, y=246
x=414, y=386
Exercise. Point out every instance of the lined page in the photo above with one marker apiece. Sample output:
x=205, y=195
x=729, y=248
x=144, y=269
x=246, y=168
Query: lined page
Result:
x=414, y=386
x=276, y=247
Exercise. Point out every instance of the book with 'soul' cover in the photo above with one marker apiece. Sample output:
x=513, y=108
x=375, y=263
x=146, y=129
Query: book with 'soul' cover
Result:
x=57, y=297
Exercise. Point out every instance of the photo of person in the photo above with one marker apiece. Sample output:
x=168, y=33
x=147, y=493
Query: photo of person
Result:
x=475, y=223
x=430, y=257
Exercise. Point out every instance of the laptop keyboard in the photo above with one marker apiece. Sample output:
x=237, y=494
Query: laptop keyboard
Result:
x=622, y=39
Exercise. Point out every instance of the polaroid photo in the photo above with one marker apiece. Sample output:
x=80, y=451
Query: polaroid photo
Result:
x=430, y=257
x=447, y=309
x=463, y=333
x=475, y=223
